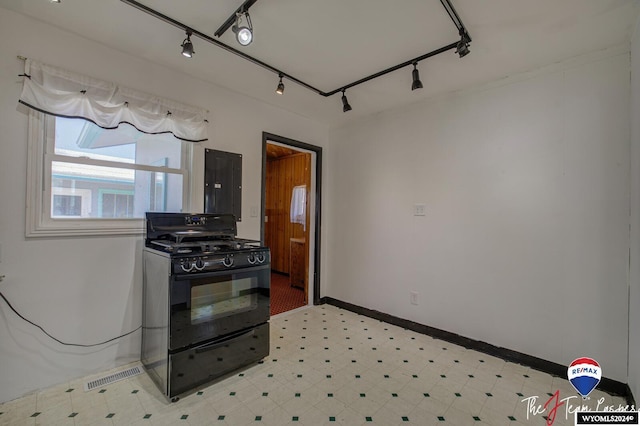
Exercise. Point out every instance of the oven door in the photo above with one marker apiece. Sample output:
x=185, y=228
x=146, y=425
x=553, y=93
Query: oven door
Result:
x=208, y=305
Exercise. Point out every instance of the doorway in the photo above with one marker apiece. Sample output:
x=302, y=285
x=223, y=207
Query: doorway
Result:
x=291, y=177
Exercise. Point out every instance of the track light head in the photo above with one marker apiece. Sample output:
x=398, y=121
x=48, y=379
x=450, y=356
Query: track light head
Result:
x=244, y=33
x=462, y=49
x=187, y=46
x=417, y=84
x=280, y=89
x=345, y=103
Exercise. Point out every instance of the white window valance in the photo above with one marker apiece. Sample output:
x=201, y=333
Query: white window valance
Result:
x=63, y=93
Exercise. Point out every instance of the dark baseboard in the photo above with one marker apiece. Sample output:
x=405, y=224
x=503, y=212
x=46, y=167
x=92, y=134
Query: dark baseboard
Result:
x=608, y=385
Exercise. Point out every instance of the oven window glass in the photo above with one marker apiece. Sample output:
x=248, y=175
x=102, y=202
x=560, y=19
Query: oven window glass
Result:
x=217, y=298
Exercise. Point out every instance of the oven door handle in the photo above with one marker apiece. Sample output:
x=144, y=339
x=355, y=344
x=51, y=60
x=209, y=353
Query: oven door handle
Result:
x=210, y=346
x=190, y=276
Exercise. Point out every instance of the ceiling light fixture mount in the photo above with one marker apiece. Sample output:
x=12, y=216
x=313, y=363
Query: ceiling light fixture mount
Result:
x=244, y=33
x=187, y=46
x=461, y=46
x=280, y=89
x=417, y=84
x=244, y=7
x=345, y=103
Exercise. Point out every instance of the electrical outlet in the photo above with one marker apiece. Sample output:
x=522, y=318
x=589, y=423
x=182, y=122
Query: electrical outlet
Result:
x=419, y=210
x=413, y=297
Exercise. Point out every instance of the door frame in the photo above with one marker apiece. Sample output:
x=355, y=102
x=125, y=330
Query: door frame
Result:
x=270, y=137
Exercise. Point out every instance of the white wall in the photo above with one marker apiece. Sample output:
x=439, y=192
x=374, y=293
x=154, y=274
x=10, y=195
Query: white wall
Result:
x=89, y=289
x=526, y=185
x=634, y=294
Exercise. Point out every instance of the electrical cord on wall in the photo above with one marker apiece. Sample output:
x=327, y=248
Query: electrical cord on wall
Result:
x=60, y=341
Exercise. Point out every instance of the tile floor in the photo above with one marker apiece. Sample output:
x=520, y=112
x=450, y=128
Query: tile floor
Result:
x=327, y=367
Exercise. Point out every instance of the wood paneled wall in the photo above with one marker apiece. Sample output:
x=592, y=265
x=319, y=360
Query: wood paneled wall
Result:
x=283, y=174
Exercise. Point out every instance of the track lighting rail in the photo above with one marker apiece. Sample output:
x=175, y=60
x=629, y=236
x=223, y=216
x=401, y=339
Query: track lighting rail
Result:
x=465, y=39
x=456, y=19
x=212, y=40
x=392, y=69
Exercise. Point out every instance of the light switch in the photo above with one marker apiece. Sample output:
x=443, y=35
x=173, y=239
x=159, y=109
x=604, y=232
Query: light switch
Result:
x=253, y=212
x=419, y=210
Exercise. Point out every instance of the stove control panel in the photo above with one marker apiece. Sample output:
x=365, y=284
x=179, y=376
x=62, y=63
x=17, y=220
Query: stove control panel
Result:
x=222, y=261
x=195, y=220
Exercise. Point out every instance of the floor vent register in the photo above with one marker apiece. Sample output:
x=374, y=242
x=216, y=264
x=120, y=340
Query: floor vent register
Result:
x=112, y=378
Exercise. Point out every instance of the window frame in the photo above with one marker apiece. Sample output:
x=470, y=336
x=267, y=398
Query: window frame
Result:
x=39, y=223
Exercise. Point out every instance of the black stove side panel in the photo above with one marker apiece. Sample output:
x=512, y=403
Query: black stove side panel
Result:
x=155, y=317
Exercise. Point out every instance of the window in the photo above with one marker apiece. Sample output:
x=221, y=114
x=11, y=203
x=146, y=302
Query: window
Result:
x=86, y=180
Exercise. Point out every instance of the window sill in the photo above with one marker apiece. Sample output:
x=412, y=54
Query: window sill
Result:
x=57, y=228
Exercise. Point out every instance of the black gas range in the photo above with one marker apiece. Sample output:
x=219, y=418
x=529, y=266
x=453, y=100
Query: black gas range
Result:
x=202, y=242
x=206, y=299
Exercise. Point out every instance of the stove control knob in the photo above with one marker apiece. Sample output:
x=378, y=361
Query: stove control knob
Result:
x=186, y=265
x=199, y=265
x=261, y=257
x=252, y=258
x=227, y=261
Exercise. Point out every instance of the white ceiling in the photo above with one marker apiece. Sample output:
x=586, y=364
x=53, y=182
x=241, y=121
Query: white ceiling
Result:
x=331, y=43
